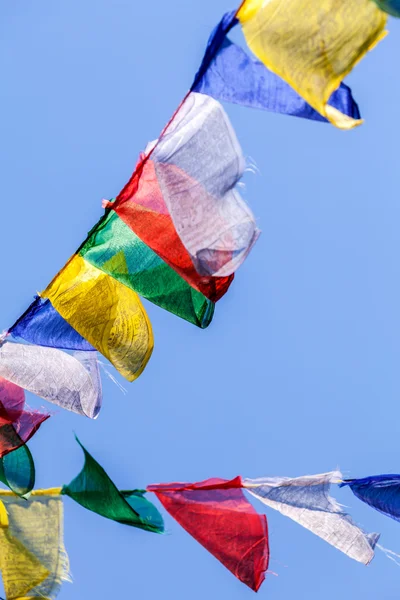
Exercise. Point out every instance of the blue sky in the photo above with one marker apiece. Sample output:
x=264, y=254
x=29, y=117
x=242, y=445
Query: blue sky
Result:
x=298, y=373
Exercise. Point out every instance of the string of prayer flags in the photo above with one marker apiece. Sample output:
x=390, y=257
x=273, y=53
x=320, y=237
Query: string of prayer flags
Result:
x=17, y=424
x=108, y=314
x=228, y=73
x=382, y=492
x=313, y=45
x=94, y=490
x=306, y=500
x=114, y=248
x=33, y=560
x=216, y=513
x=70, y=381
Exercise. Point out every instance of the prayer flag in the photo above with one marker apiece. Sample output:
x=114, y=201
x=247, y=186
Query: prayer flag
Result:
x=105, y=312
x=70, y=381
x=114, y=248
x=216, y=513
x=382, y=492
x=306, y=500
x=43, y=326
x=17, y=424
x=33, y=560
x=313, y=44
x=94, y=490
x=229, y=74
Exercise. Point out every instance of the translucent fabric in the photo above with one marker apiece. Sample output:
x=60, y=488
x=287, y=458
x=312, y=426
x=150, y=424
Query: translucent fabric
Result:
x=313, y=44
x=17, y=471
x=33, y=560
x=17, y=425
x=306, y=500
x=198, y=162
x=42, y=325
x=71, y=382
x=216, y=513
x=382, y=492
x=392, y=7
x=94, y=490
x=115, y=249
x=229, y=74
x=142, y=207
x=105, y=312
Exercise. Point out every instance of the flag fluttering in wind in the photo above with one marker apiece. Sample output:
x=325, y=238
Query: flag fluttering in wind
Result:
x=33, y=560
x=382, y=492
x=306, y=500
x=228, y=73
x=94, y=490
x=70, y=381
x=17, y=424
x=216, y=513
x=313, y=44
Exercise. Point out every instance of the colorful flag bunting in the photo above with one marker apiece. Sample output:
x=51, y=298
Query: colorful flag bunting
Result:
x=198, y=162
x=94, y=490
x=115, y=249
x=229, y=74
x=33, y=560
x=105, y=312
x=71, y=382
x=43, y=326
x=306, y=500
x=216, y=513
x=382, y=492
x=17, y=425
x=313, y=44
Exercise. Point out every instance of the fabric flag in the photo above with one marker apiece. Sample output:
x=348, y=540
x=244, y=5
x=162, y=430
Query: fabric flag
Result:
x=313, y=44
x=382, y=492
x=17, y=471
x=94, y=490
x=17, y=425
x=142, y=207
x=306, y=500
x=33, y=560
x=71, y=382
x=115, y=249
x=198, y=162
x=392, y=7
x=43, y=326
x=105, y=312
x=229, y=74
x=216, y=513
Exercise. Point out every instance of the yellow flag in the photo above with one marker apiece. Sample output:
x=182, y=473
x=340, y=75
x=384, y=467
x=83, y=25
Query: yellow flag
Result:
x=109, y=315
x=33, y=561
x=313, y=44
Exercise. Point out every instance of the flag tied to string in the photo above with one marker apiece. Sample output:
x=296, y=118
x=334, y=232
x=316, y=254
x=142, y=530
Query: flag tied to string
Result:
x=382, y=492
x=228, y=73
x=313, y=45
x=33, y=560
x=216, y=513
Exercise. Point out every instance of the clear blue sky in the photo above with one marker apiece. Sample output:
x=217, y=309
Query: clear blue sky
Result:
x=298, y=373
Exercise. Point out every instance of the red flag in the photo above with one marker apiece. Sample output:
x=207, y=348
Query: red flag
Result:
x=142, y=207
x=17, y=425
x=216, y=513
